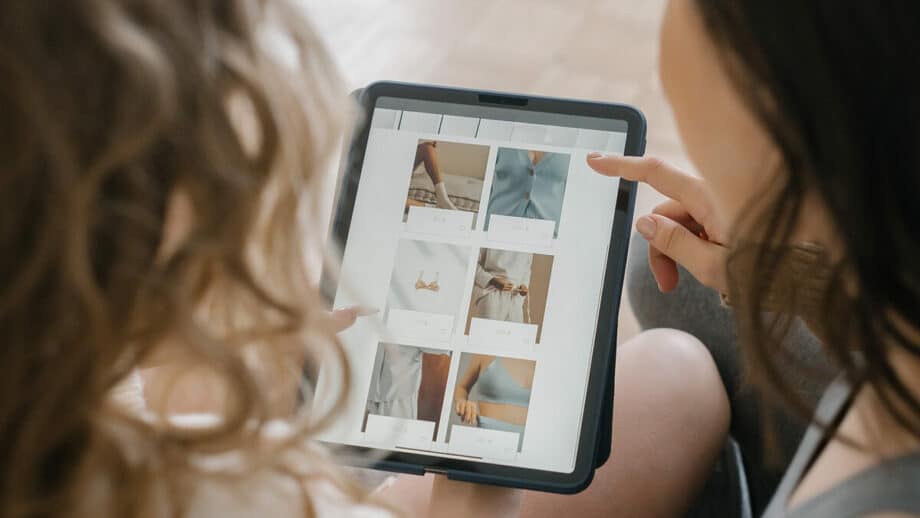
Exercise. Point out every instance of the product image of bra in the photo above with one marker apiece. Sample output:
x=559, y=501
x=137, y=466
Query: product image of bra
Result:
x=420, y=283
x=496, y=385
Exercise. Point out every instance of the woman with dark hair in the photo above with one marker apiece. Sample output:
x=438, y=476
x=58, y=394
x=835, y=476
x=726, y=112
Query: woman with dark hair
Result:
x=803, y=120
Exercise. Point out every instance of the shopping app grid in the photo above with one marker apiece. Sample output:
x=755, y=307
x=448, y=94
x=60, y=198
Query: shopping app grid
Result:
x=564, y=352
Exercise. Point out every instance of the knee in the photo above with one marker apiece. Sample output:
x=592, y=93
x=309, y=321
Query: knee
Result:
x=673, y=376
x=670, y=421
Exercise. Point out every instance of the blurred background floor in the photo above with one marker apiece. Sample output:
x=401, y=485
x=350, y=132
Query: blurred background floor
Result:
x=605, y=50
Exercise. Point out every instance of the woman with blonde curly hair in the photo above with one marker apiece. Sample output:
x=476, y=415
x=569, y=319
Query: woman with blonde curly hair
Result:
x=158, y=163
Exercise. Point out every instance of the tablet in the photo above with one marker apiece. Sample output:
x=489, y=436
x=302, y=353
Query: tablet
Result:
x=495, y=257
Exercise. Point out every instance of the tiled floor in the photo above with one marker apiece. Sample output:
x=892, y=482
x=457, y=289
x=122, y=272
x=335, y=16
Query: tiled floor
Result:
x=594, y=49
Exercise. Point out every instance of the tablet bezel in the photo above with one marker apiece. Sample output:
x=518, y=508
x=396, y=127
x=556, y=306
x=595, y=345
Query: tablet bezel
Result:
x=598, y=401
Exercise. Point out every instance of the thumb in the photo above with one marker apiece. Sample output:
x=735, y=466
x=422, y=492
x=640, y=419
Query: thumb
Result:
x=344, y=318
x=705, y=260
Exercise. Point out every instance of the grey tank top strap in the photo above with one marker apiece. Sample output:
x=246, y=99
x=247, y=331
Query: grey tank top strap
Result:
x=892, y=486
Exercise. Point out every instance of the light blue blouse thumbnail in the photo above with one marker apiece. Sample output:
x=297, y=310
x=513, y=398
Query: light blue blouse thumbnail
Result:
x=524, y=190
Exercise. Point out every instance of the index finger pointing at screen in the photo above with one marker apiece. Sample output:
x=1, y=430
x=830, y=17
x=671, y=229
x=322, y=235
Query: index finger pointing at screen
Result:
x=664, y=178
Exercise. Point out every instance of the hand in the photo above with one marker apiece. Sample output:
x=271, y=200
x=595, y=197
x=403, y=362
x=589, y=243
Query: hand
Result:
x=467, y=410
x=522, y=290
x=342, y=319
x=685, y=230
x=502, y=283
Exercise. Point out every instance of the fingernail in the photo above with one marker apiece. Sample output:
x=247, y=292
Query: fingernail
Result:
x=595, y=155
x=347, y=311
x=647, y=227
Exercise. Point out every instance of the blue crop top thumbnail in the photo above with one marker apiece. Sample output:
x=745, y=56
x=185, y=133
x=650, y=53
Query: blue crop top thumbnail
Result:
x=496, y=385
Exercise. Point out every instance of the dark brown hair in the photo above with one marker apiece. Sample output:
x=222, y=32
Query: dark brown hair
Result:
x=111, y=109
x=835, y=85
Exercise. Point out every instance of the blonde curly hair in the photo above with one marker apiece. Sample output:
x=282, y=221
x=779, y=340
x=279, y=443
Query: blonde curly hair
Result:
x=112, y=108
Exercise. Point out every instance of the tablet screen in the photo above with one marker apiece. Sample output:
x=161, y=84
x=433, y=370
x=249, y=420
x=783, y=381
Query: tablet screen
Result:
x=481, y=236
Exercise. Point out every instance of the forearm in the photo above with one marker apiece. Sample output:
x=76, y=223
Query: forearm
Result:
x=482, y=278
x=451, y=498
